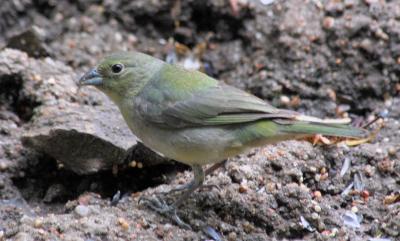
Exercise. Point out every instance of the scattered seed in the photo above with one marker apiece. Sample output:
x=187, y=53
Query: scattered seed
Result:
x=140, y=165
x=317, y=208
x=242, y=189
x=123, y=223
x=354, y=209
x=317, y=195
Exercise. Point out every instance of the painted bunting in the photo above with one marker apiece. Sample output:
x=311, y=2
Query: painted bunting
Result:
x=195, y=119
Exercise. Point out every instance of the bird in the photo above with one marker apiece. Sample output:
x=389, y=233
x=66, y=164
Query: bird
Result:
x=195, y=119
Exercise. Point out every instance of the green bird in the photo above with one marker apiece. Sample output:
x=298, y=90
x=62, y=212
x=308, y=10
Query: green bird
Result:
x=195, y=119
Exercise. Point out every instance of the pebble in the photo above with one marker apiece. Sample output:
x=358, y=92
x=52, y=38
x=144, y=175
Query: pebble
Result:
x=392, y=151
x=248, y=227
x=133, y=164
x=232, y=236
x=354, y=209
x=315, y=216
x=3, y=165
x=313, y=169
x=38, y=223
x=82, y=210
x=317, y=208
x=284, y=99
x=328, y=22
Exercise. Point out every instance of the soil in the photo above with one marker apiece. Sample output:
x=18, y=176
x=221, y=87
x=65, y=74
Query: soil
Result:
x=71, y=170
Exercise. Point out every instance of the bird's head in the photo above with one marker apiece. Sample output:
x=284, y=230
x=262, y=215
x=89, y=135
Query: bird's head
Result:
x=121, y=73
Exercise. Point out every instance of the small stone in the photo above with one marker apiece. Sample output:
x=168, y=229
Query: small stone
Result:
x=232, y=236
x=392, y=151
x=365, y=195
x=133, y=164
x=354, y=209
x=82, y=210
x=248, y=227
x=315, y=216
x=140, y=165
x=328, y=22
x=317, y=208
x=38, y=223
x=3, y=165
x=284, y=100
x=317, y=177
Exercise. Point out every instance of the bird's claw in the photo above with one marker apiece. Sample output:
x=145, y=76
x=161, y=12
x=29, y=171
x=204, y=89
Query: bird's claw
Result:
x=160, y=205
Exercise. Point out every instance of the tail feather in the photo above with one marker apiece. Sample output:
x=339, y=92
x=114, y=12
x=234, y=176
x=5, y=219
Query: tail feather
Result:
x=311, y=128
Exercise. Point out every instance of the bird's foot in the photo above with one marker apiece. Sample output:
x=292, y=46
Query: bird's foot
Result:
x=161, y=206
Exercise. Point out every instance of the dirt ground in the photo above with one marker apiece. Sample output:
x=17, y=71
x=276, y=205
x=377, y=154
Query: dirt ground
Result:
x=71, y=170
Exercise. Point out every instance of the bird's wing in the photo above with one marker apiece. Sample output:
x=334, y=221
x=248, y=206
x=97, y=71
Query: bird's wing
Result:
x=178, y=98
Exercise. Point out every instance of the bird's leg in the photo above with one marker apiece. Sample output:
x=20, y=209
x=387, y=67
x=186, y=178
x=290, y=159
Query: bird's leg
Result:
x=214, y=167
x=162, y=207
x=207, y=172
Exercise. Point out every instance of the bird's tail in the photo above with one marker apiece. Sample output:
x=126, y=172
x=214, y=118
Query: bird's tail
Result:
x=327, y=129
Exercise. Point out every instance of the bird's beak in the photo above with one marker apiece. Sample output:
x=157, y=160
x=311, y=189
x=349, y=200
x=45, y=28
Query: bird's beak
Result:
x=91, y=78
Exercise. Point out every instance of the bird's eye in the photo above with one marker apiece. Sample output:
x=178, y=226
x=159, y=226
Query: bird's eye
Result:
x=116, y=68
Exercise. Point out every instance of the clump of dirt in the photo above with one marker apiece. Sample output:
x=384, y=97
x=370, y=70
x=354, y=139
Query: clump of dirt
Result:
x=326, y=58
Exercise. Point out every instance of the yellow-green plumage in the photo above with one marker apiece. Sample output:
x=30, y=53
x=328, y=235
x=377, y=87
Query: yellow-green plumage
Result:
x=192, y=118
x=195, y=119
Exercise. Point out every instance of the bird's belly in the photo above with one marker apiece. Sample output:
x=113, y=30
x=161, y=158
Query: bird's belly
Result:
x=201, y=146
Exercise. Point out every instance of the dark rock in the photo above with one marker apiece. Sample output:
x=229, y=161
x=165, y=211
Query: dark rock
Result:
x=31, y=41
